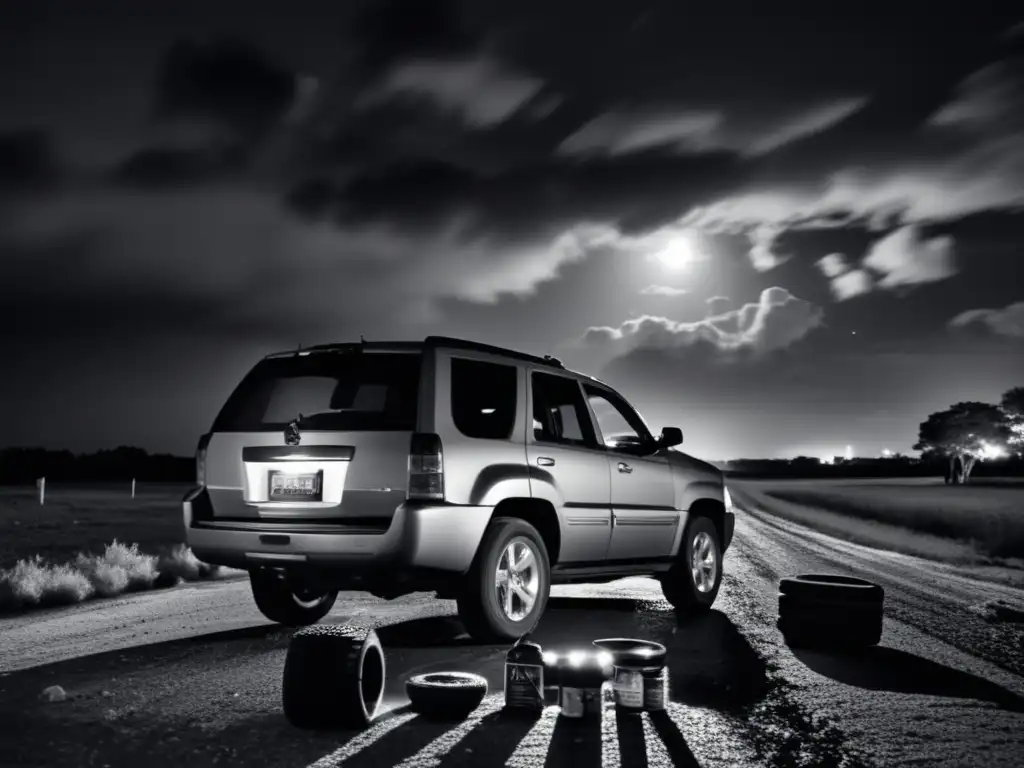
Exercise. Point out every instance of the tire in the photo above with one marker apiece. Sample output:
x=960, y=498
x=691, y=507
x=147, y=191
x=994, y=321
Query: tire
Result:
x=830, y=635
x=287, y=603
x=479, y=609
x=445, y=695
x=333, y=677
x=831, y=588
x=830, y=611
x=679, y=584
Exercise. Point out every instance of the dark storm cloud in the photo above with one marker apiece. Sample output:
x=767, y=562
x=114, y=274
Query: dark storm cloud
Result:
x=388, y=32
x=634, y=194
x=163, y=167
x=27, y=161
x=225, y=80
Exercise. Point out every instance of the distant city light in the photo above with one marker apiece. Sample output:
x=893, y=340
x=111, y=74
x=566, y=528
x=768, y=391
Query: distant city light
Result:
x=886, y=452
x=826, y=460
x=849, y=452
x=989, y=451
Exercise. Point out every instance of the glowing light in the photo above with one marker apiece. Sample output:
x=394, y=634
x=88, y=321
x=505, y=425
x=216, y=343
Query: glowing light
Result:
x=549, y=657
x=989, y=451
x=577, y=657
x=886, y=452
x=678, y=253
x=849, y=452
x=826, y=460
x=605, y=659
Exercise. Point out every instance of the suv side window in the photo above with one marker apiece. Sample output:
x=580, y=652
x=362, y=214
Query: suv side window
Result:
x=621, y=427
x=483, y=398
x=559, y=411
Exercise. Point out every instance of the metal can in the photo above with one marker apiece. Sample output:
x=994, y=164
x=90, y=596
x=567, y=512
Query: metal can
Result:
x=655, y=686
x=581, y=702
x=524, y=678
x=581, y=680
x=628, y=688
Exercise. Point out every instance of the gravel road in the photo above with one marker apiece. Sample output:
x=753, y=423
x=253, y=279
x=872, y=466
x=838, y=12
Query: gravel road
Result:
x=191, y=676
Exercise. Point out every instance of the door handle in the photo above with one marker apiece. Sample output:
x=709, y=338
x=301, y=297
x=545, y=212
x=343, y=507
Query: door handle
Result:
x=545, y=461
x=624, y=467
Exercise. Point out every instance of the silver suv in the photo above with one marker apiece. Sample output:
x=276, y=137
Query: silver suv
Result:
x=479, y=473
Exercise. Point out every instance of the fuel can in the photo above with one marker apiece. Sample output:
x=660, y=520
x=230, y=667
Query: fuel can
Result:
x=524, y=679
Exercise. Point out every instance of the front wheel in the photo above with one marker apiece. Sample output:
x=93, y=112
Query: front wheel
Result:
x=293, y=604
x=507, y=587
x=691, y=584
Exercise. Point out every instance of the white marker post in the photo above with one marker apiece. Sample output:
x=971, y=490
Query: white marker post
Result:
x=133, y=487
x=41, y=485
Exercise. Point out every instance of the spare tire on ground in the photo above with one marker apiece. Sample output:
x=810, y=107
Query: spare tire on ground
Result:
x=445, y=695
x=333, y=677
x=830, y=611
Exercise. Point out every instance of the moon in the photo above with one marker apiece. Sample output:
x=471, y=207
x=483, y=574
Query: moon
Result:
x=677, y=254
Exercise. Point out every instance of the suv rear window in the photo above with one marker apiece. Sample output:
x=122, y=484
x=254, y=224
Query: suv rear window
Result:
x=483, y=398
x=332, y=391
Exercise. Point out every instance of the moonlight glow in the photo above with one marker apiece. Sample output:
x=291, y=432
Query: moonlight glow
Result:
x=678, y=253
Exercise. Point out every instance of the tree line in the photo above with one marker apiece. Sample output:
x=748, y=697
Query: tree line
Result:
x=970, y=432
x=19, y=466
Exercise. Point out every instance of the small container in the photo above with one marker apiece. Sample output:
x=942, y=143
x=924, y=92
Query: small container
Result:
x=524, y=679
x=580, y=691
x=628, y=689
x=581, y=702
x=655, y=690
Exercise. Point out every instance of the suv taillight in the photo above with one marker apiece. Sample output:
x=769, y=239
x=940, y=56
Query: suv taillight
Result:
x=204, y=442
x=426, y=467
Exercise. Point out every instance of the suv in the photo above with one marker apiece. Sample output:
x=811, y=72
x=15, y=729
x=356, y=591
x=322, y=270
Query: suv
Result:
x=479, y=473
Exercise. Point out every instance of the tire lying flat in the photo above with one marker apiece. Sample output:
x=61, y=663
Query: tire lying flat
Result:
x=830, y=611
x=445, y=695
x=333, y=677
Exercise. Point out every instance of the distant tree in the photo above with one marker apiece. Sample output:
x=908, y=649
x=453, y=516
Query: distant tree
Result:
x=961, y=435
x=1012, y=406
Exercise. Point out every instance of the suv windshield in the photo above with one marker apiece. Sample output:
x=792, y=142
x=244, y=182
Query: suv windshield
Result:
x=332, y=391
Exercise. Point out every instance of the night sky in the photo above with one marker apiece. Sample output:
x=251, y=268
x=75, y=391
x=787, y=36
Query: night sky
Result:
x=783, y=227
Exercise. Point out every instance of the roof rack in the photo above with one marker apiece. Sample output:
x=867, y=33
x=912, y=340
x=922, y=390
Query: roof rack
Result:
x=429, y=341
x=477, y=346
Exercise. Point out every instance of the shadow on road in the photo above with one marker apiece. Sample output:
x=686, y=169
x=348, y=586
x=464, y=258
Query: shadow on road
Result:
x=216, y=698
x=889, y=669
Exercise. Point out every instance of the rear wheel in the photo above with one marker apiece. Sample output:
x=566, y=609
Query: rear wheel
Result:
x=507, y=587
x=289, y=602
x=691, y=585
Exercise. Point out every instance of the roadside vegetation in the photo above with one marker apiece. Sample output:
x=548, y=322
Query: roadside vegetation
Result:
x=981, y=524
x=87, y=543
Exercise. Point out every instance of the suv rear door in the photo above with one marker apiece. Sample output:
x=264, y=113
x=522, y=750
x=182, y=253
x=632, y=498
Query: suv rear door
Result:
x=356, y=413
x=569, y=466
x=644, y=517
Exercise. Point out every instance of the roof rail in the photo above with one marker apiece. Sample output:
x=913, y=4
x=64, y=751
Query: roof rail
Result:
x=429, y=341
x=477, y=346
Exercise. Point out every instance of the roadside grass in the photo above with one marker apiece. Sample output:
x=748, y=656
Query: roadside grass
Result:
x=93, y=542
x=964, y=524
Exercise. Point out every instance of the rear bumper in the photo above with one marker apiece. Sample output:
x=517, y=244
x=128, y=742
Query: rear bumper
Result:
x=436, y=537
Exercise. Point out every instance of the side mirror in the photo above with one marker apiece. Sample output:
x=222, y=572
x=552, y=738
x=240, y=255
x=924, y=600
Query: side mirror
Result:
x=670, y=436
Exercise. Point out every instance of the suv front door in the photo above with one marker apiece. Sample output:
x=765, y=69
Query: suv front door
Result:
x=644, y=516
x=569, y=467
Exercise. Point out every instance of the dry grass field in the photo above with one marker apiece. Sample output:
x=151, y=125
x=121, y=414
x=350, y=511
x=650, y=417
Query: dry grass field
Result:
x=980, y=522
x=91, y=541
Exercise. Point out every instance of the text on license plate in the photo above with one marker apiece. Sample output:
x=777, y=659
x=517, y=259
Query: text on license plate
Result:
x=291, y=486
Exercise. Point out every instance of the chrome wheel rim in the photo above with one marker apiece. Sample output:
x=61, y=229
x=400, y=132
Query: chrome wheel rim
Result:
x=517, y=579
x=703, y=562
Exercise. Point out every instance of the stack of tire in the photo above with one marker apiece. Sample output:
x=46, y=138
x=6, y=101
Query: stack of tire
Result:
x=830, y=611
x=334, y=677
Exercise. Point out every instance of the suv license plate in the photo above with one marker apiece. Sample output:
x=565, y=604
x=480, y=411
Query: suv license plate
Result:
x=291, y=486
